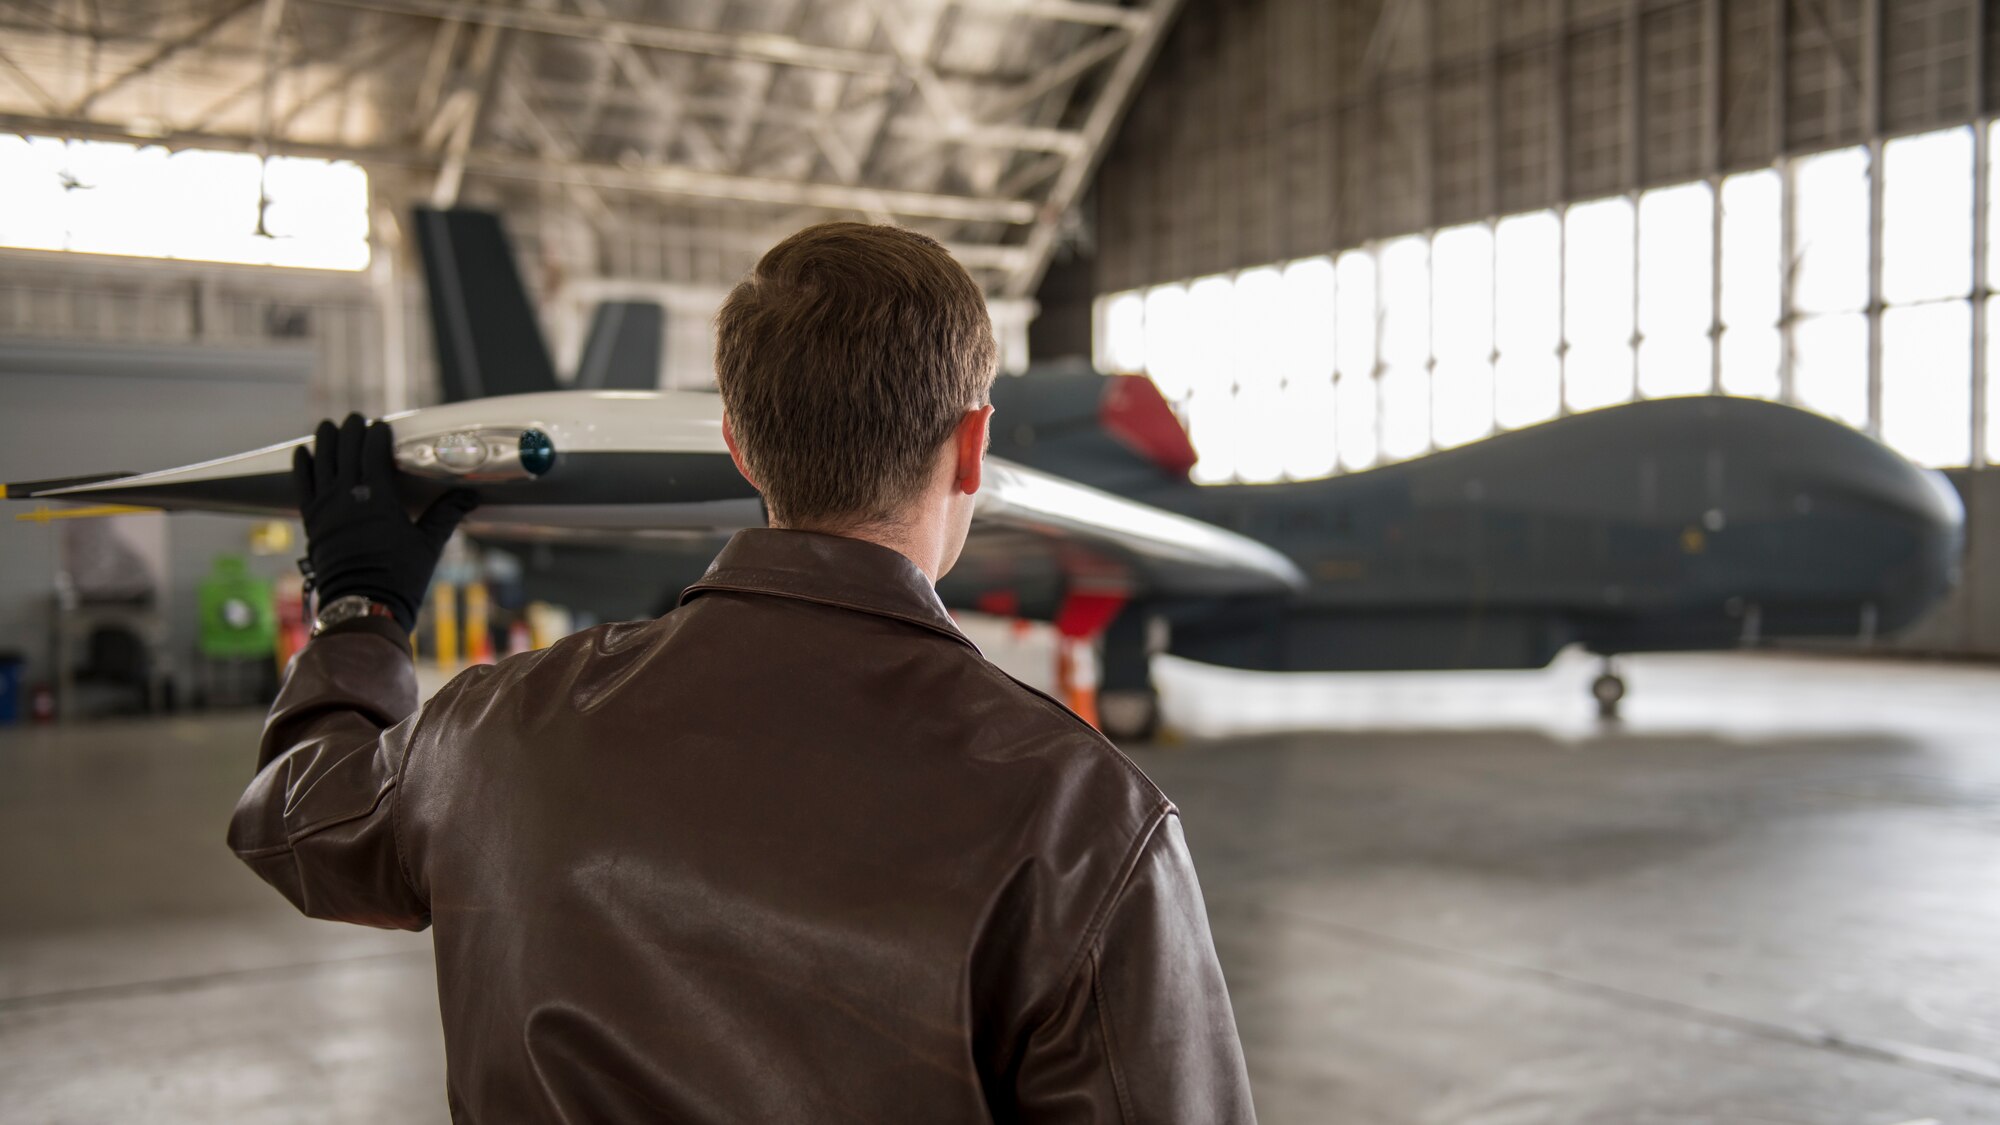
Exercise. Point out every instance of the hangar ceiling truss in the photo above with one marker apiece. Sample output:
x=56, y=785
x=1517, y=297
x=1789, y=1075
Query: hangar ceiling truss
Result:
x=714, y=124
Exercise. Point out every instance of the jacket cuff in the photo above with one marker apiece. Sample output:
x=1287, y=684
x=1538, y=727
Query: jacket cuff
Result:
x=382, y=627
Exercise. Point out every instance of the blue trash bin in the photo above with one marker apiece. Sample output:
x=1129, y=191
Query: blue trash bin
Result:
x=11, y=667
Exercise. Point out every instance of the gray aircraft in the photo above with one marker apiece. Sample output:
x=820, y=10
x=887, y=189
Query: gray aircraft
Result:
x=1677, y=524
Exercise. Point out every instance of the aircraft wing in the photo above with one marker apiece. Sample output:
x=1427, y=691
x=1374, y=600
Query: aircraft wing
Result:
x=632, y=466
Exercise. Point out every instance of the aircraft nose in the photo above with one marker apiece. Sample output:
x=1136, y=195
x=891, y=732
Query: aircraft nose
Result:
x=1941, y=514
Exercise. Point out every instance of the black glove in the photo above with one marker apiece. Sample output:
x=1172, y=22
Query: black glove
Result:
x=357, y=538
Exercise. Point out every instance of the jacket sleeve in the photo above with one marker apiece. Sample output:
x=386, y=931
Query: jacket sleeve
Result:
x=318, y=822
x=1144, y=1032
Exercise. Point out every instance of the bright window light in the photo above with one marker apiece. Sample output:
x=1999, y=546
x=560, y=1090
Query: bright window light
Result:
x=1406, y=302
x=1750, y=361
x=1830, y=366
x=1752, y=243
x=1992, y=314
x=1260, y=332
x=1597, y=375
x=1462, y=294
x=1406, y=411
x=1676, y=284
x=1356, y=417
x=1527, y=271
x=1830, y=217
x=1260, y=435
x=1214, y=424
x=1752, y=282
x=1527, y=388
x=1927, y=217
x=1992, y=208
x=1597, y=303
x=1168, y=344
x=1307, y=431
x=1462, y=334
x=1122, y=344
x=1927, y=382
x=1462, y=401
x=1211, y=339
x=1306, y=299
x=104, y=198
x=1354, y=320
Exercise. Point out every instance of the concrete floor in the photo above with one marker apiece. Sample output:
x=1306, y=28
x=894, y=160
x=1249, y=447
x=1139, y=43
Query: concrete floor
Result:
x=1773, y=895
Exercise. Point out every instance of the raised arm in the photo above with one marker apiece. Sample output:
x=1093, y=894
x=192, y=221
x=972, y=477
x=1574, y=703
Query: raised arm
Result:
x=319, y=820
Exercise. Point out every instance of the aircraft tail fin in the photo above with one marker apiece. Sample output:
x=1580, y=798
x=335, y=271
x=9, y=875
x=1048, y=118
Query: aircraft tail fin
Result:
x=622, y=352
x=1114, y=432
x=488, y=342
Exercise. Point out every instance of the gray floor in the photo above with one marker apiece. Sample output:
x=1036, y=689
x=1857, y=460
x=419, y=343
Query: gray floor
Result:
x=1772, y=896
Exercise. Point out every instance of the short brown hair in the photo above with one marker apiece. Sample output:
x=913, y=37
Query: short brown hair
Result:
x=845, y=359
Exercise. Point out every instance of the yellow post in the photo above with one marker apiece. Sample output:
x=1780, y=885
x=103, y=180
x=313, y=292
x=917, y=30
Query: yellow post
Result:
x=444, y=622
x=478, y=645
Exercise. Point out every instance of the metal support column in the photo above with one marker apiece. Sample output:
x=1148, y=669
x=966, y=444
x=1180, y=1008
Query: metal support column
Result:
x=1712, y=29
x=1871, y=124
x=1982, y=220
x=1635, y=161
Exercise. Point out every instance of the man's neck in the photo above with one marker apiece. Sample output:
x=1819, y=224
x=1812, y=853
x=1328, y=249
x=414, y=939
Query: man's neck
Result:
x=922, y=544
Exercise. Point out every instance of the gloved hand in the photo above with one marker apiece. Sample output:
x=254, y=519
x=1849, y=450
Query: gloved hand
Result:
x=357, y=537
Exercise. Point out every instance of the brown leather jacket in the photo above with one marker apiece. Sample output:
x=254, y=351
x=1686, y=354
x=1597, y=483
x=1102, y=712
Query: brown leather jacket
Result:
x=793, y=852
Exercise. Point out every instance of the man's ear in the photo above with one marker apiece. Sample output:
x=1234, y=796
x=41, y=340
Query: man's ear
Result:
x=969, y=442
x=735, y=454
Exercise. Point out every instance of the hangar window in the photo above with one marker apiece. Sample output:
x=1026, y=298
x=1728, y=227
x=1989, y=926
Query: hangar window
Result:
x=1462, y=335
x=1927, y=381
x=1404, y=389
x=1752, y=283
x=1354, y=314
x=1830, y=365
x=1830, y=225
x=1927, y=217
x=1676, y=288
x=1354, y=396
x=103, y=198
x=1597, y=303
x=1527, y=330
x=1121, y=334
x=1808, y=283
x=1306, y=322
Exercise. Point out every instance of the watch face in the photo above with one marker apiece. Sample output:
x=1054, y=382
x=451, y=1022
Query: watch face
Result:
x=343, y=609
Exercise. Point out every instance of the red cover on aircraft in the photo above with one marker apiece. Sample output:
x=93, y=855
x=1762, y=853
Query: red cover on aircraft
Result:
x=1135, y=412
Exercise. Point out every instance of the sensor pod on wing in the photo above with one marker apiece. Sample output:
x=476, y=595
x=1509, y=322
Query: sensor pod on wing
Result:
x=483, y=455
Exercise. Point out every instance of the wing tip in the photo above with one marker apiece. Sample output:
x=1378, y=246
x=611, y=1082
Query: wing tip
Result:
x=28, y=490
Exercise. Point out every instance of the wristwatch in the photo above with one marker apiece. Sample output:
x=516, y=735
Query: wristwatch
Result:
x=349, y=608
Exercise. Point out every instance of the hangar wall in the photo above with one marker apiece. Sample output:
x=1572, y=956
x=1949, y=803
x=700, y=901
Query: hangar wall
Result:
x=1274, y=129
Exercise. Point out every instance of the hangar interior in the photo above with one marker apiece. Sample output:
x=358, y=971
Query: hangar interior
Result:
x=1343, y=238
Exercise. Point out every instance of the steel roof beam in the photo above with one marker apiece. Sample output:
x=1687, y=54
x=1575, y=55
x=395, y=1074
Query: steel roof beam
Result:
x=165, y=52
x=755, y=46
x=662, y=180
x=1069, y=11
x=1105, y=114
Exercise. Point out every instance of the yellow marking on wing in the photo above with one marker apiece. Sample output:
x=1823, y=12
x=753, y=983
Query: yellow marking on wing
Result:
x=44, y=514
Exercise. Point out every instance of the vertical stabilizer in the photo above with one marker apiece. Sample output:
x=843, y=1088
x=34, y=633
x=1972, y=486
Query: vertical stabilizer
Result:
x=622, y=352
x=488, y=342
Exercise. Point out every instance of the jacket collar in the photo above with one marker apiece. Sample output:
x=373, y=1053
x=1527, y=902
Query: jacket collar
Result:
x=831, y=570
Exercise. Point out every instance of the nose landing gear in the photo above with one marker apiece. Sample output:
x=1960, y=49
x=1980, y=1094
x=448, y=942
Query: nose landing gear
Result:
x=1609, y=691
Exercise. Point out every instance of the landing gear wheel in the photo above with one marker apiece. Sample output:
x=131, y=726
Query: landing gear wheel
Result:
x=1129, y=716
x=1609, y=690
